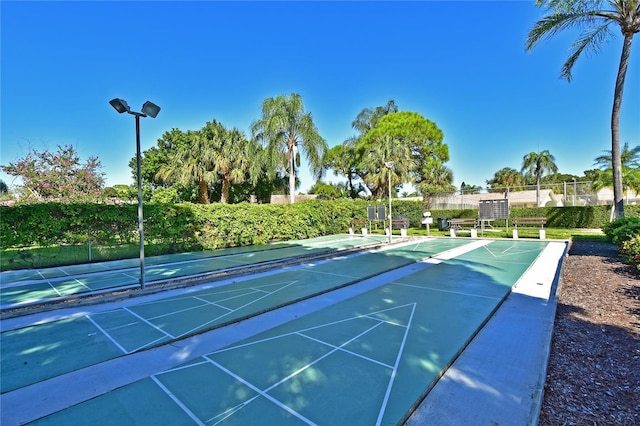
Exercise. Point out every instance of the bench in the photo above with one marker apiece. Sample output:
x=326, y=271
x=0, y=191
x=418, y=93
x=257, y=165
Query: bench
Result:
x=400, y=223
x=460, y=223
x=359, y=224
x=530, y=222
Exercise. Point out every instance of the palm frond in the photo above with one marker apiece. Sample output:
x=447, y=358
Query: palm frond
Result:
x=590, y=41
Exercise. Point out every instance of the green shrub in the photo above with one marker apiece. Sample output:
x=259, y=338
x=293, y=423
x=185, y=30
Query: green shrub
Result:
x=630, y=251
x=621, y=230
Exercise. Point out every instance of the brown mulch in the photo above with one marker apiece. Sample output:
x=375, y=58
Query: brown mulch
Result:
x=593, y=376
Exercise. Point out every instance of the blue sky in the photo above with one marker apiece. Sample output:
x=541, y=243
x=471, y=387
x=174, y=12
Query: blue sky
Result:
x=460, y=64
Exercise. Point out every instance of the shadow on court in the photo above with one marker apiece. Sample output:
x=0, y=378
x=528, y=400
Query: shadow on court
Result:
x=391, y=341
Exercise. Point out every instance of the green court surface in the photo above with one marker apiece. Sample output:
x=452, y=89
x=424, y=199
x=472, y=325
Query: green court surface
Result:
x=31, y=286
x=31, y=354
x=368, y=359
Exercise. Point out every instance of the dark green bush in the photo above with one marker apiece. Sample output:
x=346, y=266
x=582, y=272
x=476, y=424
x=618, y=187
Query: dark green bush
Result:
x=184, y=227
x=621, y=230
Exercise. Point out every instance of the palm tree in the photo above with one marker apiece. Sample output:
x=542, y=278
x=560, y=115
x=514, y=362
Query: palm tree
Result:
x=630, y=159
x=594, y=18
x=368, y=117
x=436, y=178
x=386, y=149
x=346, y=159
x=192, y=163
x=286, y=129
x=505, y=178
x=233, y=156
x=536, y=164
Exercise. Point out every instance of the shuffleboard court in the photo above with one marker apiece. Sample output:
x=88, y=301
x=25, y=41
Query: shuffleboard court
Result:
x=27, y=352
x=367, y=359
x=31, y=286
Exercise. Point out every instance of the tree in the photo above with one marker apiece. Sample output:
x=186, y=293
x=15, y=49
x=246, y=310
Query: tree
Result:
x=436, y=178
x=537, y=164
x=4, y=189
x=329, y=191
x=630, y=159
x=505, y=178
x=48, y=176
x=286, y=129
x=161, y=155
x=421, y=142
x=386, y=156
x=470, y=189
x=346, y=159
x=368, y=118
x=233, y=156
x=594, y=19
x=192, y=163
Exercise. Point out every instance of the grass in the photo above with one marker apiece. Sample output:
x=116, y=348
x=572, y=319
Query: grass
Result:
x=45, y=257
x=523, y=233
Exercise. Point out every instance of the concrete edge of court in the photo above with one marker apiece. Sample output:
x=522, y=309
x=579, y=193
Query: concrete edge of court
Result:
x=499, y=377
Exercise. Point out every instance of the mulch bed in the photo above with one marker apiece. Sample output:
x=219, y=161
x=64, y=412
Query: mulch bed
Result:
x=593, y=375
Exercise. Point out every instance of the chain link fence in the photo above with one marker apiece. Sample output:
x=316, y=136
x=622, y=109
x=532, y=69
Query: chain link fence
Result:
x=550, y=195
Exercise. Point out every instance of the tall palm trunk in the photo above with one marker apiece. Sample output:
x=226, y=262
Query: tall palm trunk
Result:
x=618, y=196
x=226, y=186
x=203, y=192
x=292, y=174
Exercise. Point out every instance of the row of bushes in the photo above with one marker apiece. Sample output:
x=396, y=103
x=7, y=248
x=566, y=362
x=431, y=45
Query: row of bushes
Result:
x=183, y=227
x=178, y=226
x=625, y=233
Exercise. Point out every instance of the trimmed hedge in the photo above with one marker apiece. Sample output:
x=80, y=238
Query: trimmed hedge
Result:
x=183, y=227
x=179, y=227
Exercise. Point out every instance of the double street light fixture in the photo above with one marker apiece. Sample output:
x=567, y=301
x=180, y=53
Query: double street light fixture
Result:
x=149, y=109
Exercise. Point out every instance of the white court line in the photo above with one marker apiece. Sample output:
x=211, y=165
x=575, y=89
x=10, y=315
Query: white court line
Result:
x=107, y=335
x=445, y=291
x=261, y=393
x=235, y=310
x=347, y=351
x=53, y=288
x=148, y=323
x=198, y=297
x=231, y=411
x=63, y=271
x=82, y=284
x=395, y=369
x=207, y=302
x=295, y=373
x=511, y=254
x=367, y=316
x=178, y=402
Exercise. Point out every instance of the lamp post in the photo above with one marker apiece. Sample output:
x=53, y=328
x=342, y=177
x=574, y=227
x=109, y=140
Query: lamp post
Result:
x=149, y=109
x=389, y=164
